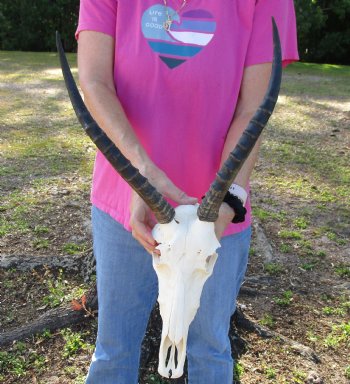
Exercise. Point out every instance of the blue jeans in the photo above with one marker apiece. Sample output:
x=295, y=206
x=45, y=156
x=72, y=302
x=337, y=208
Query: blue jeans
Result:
x=127, y=291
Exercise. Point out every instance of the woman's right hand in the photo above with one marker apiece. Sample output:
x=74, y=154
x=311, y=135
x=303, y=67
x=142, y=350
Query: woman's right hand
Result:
x=142, y=219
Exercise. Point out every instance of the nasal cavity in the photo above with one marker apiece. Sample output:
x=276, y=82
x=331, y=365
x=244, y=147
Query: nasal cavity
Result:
x=172, y=359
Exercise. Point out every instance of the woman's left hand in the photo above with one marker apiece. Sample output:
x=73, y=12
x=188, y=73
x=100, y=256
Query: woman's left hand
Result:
x=226, y=214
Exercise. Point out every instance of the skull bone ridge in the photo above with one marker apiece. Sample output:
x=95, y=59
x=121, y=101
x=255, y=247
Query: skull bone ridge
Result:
x=188, y=254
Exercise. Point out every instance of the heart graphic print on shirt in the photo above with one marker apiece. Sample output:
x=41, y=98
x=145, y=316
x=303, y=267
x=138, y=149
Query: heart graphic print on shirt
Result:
x=190, y=33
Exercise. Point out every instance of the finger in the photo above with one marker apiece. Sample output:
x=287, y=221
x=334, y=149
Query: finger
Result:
x=180, y=196
x=142, y=232
x=146, y=245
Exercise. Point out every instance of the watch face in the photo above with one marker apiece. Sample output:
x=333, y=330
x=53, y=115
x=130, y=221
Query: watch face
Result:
x=239, y=191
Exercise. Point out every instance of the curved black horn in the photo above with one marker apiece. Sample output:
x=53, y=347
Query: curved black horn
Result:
x=209, y=209
x=163, y=211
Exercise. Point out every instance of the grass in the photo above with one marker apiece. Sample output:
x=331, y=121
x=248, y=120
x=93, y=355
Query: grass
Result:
x=337, y=307
x=294, y=235
x=320, y=69
x=285, y=248
x=304, y=159
x=299, y=377
x=342, y=270
x=339, y=336
x=285, y=300
x=308, y=266
x=301, y=222
x=74, y=342
x=326, y=76
x=264, y=214
x=273, y=268
x=60, y=290
x=270, y=373
x=267, y=320
x=41, y=243
x=73, y=249
x=238, y=371
x=18, y=360
x=41, y=145
x=22, y=359
x=41, y=229
x=347, y=372
x=312, y=337
x=340, y=311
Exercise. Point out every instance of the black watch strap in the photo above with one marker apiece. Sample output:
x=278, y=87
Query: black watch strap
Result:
x=236, y=204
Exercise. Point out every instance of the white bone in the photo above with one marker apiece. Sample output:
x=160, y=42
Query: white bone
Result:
x=188, y=254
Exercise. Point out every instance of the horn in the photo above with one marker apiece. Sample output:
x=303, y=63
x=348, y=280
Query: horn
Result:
x=162, y=210
x=209, y=209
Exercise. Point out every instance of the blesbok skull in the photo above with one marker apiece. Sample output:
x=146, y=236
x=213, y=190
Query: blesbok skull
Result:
x=187, y=256
x=186, y=236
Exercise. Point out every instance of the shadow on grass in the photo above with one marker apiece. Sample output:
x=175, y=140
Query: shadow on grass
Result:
x=13, y=60
x=18, y=174
x=320, y=69
x=40, y=154
x=286, y=151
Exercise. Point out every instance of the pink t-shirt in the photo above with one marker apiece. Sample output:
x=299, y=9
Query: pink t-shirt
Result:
x=179, y=88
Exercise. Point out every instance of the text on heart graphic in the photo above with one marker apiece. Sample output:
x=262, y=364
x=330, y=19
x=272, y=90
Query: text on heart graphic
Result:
x=186, y=38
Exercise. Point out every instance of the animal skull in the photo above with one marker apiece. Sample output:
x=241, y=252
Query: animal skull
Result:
x=186, y=236
x=187, y=256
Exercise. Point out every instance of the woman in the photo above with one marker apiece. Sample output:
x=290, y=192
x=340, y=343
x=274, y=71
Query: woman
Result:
x=173, y=83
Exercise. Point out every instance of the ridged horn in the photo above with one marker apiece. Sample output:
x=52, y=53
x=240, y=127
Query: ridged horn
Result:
x=162, y=210
x=209, y=209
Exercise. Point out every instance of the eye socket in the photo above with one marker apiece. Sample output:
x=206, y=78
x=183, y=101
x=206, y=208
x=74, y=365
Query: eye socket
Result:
x=209, y=262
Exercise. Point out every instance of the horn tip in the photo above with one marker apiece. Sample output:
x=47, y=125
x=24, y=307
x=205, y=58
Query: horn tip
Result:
x=274, y=21
x=58, y=41
x=275, y=29
x=277, y=42
x=276, y=36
